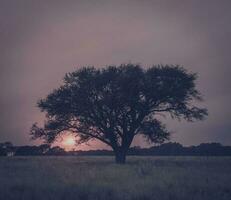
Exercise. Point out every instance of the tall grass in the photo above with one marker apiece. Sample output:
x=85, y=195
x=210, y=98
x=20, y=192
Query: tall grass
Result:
x=96, y=178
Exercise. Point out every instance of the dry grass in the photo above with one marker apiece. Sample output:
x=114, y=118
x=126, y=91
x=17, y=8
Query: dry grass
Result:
x=96, y=178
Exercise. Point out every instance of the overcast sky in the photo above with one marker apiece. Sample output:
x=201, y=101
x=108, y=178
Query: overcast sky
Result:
x=42, y=40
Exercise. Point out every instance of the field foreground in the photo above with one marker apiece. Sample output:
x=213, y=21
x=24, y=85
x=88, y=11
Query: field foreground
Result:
x=98, y=178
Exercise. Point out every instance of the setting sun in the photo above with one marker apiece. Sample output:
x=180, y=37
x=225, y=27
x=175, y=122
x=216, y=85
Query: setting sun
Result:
x=68, y=142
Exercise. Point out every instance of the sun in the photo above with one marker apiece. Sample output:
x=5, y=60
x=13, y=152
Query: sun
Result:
x=69, y=142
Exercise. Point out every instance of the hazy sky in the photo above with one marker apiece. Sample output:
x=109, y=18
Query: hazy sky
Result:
x=42, y=40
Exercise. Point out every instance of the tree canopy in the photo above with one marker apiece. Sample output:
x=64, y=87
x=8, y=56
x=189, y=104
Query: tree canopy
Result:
x=115, y=103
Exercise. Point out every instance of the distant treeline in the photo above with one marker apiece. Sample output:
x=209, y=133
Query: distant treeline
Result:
x=8, y=149
x=166, y=149
x=171, y=149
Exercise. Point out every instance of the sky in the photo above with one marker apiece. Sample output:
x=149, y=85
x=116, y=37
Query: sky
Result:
x=42, y=40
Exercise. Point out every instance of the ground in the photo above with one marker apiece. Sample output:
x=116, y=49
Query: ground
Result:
x=98, y=178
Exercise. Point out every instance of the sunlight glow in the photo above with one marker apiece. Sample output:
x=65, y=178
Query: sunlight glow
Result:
x=69, y=142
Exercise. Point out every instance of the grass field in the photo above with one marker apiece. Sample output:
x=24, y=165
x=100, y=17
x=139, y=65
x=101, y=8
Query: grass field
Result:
x=91, y=178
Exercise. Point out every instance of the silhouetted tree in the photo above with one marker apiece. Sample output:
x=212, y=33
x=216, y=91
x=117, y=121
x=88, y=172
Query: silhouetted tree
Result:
x=56, y=150
x=44, y=148
x=207, y=149
x=114, y=104
x=171, y=148
x=2, y=151
x=27, y=151
x=6, y=145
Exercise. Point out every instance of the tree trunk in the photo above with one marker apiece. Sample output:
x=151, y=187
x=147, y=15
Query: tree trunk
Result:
x=120, y=156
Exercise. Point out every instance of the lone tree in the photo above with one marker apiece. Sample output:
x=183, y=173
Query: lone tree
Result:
x=116, y=103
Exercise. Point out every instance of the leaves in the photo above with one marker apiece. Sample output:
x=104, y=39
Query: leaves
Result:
x=154, y=131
